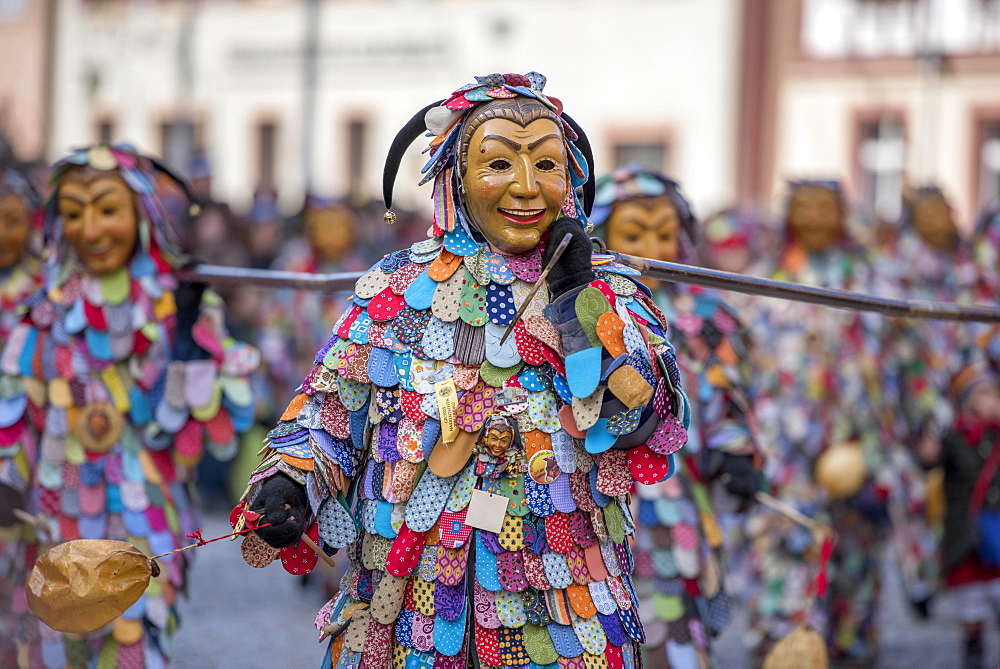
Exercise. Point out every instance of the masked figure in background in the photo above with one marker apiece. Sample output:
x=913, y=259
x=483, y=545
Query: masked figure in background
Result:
x=930, y=261
x=20, y=278
x=127, y=374
x=820, y=405
x=986, y=255
x=293, y=325
x=679, y=561
x=510, y=547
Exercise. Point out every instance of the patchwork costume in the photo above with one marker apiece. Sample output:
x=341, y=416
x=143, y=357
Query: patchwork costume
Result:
x=127, y=377
x=512, y=549
x=679, y=553
x=18, y=447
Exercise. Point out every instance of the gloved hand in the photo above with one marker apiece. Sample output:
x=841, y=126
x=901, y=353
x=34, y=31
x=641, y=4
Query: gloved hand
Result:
x=188, y=295
x=573, y=268
x=739, y=476
x=10, y=499
x=735, y=472
x=282, y=502
x=188, y=299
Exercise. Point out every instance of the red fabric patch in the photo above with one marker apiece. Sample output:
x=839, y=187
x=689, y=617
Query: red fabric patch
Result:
x=487, y=646
x=528, y=346
x=646, y=466
x=299, y=558
x=220, y=428
x=558, y=533
x=386, y=305
x=345, y=328
x=405, y=553
x=95, y=316
x=410, y=401
x=606, y=289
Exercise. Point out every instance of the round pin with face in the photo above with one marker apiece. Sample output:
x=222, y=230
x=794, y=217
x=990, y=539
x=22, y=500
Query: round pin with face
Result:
x=542, y=467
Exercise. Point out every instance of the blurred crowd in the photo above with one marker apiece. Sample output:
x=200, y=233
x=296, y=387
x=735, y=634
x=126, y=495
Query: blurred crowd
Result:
x=878, y=428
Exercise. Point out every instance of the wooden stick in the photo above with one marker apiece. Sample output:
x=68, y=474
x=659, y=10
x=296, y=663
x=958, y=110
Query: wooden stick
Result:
x=319, y=551
x=538, y=284
x=792, y=513
x=654, y=269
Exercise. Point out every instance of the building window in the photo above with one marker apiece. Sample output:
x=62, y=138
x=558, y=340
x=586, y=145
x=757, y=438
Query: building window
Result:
x=180, y=139
x=653, y=155
x=881, y=165
x=267, y=153
x=989, y=164
x=357, y=145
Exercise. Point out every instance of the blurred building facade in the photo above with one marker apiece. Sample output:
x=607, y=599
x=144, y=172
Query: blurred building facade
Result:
x=25, y=77
x=637, y=75
x=882, y=94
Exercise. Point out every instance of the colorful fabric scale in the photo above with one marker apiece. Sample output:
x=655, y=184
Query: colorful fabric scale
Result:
x=18, y=453
x=122, y=405
x=515, y=553
x=680, y=566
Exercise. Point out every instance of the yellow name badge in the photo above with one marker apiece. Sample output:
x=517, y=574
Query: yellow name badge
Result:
x=447, y=400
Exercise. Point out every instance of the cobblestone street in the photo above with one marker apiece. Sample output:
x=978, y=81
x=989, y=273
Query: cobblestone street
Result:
x=243, y=617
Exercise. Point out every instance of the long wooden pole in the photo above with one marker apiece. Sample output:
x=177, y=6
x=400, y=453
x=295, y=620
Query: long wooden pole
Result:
x=654, y=269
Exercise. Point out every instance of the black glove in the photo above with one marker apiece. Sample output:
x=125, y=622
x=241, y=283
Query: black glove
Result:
x=188, y=299
x=739, y=476
x=282, y=502
x=735, y=472
x=573, y=268
x=921, y=607
x=188, y=295
x=10, y=499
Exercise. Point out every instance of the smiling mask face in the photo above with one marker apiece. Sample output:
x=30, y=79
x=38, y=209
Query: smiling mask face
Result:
x=515, y=181
x=816, y=218
x=15, y=229
x=99, y=219
x=647, y=227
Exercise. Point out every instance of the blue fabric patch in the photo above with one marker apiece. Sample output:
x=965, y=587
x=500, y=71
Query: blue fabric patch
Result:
x=583, y=372
x=420, y=293
x=598, y=438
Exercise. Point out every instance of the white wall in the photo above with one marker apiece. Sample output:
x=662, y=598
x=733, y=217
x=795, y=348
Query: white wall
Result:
x=613, y=62
x=816, y=132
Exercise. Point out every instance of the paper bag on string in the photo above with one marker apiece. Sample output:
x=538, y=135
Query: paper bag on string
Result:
x=78, y=586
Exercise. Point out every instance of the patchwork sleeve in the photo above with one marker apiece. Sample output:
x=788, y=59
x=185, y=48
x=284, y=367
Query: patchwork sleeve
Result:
x=622, y=378
x=204, y=398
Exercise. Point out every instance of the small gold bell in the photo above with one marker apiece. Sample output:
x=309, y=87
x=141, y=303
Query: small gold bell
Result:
x=389, y=217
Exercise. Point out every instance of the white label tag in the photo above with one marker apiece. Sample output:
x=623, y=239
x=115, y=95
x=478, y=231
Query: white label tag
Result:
x=486, y=511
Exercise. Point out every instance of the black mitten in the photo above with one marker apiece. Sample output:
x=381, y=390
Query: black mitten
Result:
x=283, y=503
x=739, y=476
x=188, y=295
x=573, y=268
x=10, y=499
x=188, y=299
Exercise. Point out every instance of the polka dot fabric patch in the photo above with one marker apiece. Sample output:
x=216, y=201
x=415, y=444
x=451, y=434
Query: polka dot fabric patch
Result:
x=500, y=304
